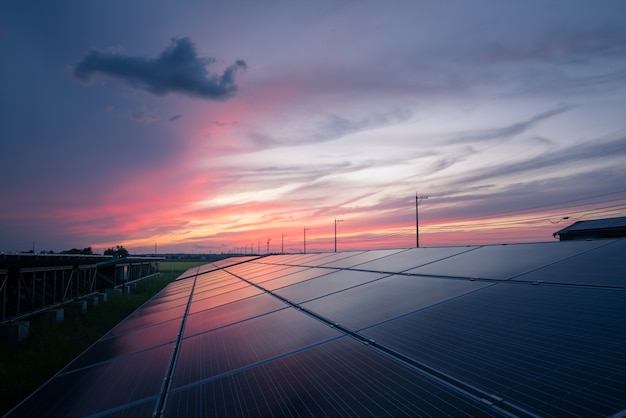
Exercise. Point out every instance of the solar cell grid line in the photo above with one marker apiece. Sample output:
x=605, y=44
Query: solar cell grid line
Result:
x=231, y=313
x=360, y=258
x=313, y=260
x=297, y=277
x=137, y=378
x=355, y=380
x=584, y=269
x=392, y=296
x=411, y=258
x=158, y=410
x=293, y=259
x=271, y=274
x=223, y=298
x=502, y=262
x=434, y=373
x=214, y=288
x=115, y=346
x=246, y=342
x=251, y=267
x=510, y=340
x=260, y=270
x=327, y=284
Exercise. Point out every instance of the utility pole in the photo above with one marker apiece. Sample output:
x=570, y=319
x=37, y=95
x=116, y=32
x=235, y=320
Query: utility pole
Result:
x=305, y=229
x=268, y=245
x=258, y=248
x=418, y=199
x=282, y=244
x=336, y=222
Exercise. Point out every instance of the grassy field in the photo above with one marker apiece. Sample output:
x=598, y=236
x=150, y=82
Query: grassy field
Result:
x=50, y=347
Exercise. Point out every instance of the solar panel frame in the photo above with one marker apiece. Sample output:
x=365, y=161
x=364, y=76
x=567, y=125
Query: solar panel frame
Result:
x=503, y=262
x=247, y=342
x=507, y=339
x=324, y=285
x=355, y=380
x=412, y=258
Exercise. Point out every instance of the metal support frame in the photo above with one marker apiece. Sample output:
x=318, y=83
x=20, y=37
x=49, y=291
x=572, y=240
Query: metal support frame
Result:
x=28, y=291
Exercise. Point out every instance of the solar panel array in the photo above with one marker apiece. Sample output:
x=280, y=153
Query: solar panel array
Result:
x=511, y=330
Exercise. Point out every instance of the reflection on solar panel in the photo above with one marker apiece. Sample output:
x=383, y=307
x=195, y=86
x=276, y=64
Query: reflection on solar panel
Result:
x=516, y=330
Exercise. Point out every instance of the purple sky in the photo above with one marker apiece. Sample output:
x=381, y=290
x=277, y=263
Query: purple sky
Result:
x=212, y=126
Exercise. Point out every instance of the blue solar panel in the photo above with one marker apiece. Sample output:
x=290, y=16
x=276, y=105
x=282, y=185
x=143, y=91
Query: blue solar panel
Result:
x=387, y=298
x=300, y=276
x=91, y=390
x=585, y=269
x=112, y=347
x=338, y=378
x=505, y=261
x=248, y=342
x=402, y=261
x=231, y=313
x=525, y=329
x=326, y=284
x=359, y=258
x=536, y=346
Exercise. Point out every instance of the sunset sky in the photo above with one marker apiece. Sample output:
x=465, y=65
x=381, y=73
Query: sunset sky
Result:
x=208, y=127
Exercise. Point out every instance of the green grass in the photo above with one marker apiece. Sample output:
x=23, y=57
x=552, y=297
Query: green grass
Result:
x=50, y=347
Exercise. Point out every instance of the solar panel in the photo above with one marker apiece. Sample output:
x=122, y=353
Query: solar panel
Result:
x=231, y=313
x=244, y=343
x=537, y=346
x=540, y=331
x=505, y=261
x=353, y=381
x=223, y=298
x=402, y=261
x=603, y=266
x=297, y=277
x=326, y=284
x=359, y=258
x=387, y=298
x=131, y=342
x=104, y=386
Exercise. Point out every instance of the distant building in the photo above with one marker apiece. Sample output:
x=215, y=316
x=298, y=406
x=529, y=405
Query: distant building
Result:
x=594, y=229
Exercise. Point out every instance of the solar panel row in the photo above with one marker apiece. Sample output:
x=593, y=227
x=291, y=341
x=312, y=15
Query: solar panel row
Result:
x=525, y=329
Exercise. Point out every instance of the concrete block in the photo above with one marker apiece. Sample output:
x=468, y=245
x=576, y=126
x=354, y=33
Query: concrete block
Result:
x=15, y=332
x=79, y=306
x=54, y=315
x=93, y=300
x=114, y=291
x=102, y=297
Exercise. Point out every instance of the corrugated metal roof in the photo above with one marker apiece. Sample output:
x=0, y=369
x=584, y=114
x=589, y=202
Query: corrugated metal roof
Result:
x=594, y=229
x=596, y=224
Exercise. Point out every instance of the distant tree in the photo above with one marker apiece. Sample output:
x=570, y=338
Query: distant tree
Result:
x=84, y=251
x=117, y=252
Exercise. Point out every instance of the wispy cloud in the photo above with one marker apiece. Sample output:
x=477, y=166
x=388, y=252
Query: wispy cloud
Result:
x=144, y=115
x=565, y=45
x=579, y=154
x=178, y=69
x=508, y=131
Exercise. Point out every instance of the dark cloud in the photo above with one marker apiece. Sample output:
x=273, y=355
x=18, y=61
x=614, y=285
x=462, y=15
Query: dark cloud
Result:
x=173, y=118
x=573, y=45
x=178, y=69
